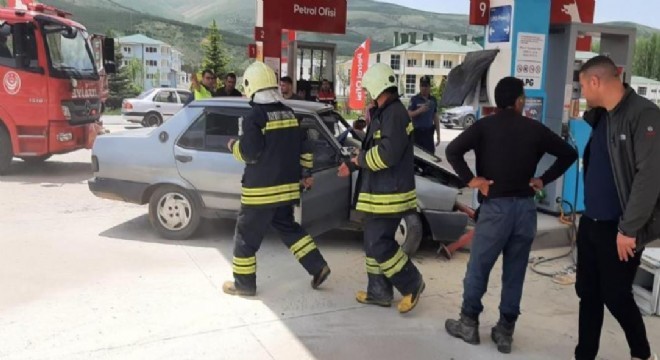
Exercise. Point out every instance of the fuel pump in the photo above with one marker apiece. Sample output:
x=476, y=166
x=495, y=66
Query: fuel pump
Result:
x=309, y=64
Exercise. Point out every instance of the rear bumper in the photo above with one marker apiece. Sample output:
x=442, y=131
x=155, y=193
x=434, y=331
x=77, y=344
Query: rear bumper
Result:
x=122, y=190
x=446, y=226
x=133, y=117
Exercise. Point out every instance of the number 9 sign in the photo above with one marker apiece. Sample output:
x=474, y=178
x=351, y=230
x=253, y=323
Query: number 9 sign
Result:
x=479, y=12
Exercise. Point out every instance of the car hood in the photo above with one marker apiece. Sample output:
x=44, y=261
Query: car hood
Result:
x=435, y=168
x=141, y=133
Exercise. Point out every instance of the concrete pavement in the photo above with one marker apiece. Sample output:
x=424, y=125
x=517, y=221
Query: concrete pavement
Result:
x=85, y=278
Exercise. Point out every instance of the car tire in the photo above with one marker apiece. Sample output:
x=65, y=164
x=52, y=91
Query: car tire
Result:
x=35, y=160
x=409, y=233
x=152, y=119
x=6, y=151
x=173, y=212
x=448, y=126
x=468, y=121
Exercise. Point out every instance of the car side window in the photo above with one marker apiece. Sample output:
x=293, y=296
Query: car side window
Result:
x=325, y=154
x=166, y=96
x=212, y=131
x=184, y=96
x=18, y=46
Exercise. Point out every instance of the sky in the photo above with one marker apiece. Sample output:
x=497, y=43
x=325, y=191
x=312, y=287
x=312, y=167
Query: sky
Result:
x=645, y=12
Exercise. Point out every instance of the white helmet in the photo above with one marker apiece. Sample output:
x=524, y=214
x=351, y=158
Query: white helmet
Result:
x=258, y=76
x=378, y=78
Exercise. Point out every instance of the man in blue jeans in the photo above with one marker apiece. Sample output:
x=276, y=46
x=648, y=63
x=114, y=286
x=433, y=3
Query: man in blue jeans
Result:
x=508, y=148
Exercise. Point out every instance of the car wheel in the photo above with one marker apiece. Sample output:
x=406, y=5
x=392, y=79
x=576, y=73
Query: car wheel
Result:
x=447, y=126
x=35, y=160
x=468, y=121
x=409, y=233
x=173, y=212
x=6, y=152
x=152, y=120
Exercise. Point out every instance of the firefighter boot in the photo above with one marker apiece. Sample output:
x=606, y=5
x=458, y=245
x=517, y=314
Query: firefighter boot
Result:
x=320, y=277
x=230, y=288
x=379, y=291
x=465, y=328
x=502, y=335
x=409, y=301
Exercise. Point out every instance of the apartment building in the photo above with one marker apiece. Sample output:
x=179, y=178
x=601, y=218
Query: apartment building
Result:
x=162, y=63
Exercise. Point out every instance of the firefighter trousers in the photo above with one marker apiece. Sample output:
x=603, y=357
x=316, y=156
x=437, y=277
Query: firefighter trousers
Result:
x=251, y=227
x=387, y=265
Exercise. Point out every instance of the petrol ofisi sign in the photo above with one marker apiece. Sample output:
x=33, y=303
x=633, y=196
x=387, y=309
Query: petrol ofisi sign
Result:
x=322, y=16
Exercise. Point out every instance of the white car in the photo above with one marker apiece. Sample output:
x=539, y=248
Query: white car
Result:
x=154, y=106
x=462, y=116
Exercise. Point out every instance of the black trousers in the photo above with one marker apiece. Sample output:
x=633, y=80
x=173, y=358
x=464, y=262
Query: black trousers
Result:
x=386, y=263
x=604, y=280
x=424, y=139
x=251, y=227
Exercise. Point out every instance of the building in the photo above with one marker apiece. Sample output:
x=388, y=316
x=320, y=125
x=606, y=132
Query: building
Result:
x=162, y=63
x=646, y=87
x=411, y=59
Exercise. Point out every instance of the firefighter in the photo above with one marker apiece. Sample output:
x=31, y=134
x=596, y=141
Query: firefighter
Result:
x=386, y=193
x=271, y=145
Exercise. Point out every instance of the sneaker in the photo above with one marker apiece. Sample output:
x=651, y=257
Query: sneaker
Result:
x=502, y=335
x=410, y=301
x=363, y=298
x=320, y=277
x=464, y=328
x=229, y=288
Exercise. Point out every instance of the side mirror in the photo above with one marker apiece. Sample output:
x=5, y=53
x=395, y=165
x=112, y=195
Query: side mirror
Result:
x=109, y=61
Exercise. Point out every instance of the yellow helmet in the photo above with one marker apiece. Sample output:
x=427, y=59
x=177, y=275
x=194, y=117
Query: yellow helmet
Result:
x=258, y=76
x=378, y=78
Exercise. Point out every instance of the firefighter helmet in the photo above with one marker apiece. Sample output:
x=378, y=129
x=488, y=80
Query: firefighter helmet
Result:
x=258, y=76
x=377, y=79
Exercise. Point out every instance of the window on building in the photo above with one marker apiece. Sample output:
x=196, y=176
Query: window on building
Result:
x=448, y=64
x=127, y=49
x=395, y=62
x=377, y=58
x=151, y=76
x=430, y=63
x=412, y=62
x=411, y=81
x=151, y=49
x=151, y=62
x=642, y=90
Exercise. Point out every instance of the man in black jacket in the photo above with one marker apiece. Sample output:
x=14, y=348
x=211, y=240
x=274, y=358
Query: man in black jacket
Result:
x=622, y=188
x=272, y=148
x=508, y=148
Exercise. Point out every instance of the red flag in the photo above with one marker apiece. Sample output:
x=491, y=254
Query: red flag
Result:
x=360, y=66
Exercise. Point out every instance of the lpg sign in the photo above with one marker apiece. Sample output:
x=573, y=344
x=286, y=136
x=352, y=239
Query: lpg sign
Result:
x=322, y=16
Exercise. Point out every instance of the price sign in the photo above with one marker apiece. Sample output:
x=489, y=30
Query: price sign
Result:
x=479, y=12
x=259, y=34
x=252, y=51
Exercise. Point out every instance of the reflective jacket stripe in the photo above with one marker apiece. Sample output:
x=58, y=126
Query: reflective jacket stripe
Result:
x=281, y=124
x=372, y=266
x=270, y=195
x=307, y=160
x=387, y=203
x=270, y=190
x=236, y=151
x=409, y=128
x=388, y=198
x=303, y=247
x=374, y=161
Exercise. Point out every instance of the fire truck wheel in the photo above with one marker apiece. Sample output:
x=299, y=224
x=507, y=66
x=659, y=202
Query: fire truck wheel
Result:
x=173, y=212
x=6, y=153
x=152, y=120
x=36, y=159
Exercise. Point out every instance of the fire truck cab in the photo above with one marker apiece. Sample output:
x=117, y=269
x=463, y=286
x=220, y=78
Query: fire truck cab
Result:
x=52, y=90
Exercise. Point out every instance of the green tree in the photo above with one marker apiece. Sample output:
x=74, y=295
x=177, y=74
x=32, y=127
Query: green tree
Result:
x=215, y=57
x=438, y=88
x=120, y=83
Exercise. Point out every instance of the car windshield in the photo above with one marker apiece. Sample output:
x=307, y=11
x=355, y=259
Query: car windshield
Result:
x=69, y=51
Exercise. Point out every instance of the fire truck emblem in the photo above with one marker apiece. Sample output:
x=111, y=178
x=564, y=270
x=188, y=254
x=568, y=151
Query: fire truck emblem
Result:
x=12, y=83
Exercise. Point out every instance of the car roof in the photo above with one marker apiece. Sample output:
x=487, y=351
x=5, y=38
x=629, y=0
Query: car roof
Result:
x=297, y=105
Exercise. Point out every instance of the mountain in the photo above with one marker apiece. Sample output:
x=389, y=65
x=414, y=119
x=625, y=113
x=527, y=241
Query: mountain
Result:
x=182, y=23
x=642, y=30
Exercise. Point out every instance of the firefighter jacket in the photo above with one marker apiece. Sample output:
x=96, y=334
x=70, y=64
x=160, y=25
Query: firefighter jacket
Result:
x=276, y=154
x=387, y=176
x=202, y=92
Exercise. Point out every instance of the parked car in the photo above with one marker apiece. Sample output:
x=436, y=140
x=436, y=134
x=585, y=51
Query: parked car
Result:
x=462, y=116
x=153, y=107
x=185, y=172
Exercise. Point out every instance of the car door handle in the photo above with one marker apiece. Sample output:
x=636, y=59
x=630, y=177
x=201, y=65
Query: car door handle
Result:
x=183, y=158
x=158, y=106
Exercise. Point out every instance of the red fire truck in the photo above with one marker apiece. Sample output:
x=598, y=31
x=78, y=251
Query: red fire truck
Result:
x=54, y=83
